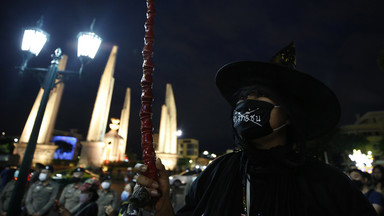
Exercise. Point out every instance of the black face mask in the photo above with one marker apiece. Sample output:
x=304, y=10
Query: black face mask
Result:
x=251, y=119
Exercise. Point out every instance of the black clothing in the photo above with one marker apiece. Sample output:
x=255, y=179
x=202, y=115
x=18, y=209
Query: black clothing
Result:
x=278, y=187
x=86, y=209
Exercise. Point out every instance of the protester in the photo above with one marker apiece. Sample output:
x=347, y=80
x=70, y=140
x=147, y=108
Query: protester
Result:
x=70, y=196
x=6, y=194
x=378, y=178
x=87, y=200
x=107, y=196
x=276, y=109
x=42, y=194
x=362, y=182
x=124, y=200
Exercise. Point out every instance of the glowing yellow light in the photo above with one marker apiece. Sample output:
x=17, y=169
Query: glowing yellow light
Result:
x=363, y=161
x=115, y=124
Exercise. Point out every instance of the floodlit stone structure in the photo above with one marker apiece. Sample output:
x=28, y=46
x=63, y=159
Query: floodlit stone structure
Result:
x=167, y=146
x=44, y=149
x=92, y=150
x=124, y=118
x=114, y=144
x=116, y=139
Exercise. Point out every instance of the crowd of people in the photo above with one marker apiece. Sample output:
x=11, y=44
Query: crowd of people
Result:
x=44, y=197
x=371, y=185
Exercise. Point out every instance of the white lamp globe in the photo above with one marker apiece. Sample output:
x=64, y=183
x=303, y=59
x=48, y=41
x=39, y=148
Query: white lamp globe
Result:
x=88, y=44
x=34, y=40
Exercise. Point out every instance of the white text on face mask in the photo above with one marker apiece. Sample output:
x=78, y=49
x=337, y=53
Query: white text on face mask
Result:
x=246, y=117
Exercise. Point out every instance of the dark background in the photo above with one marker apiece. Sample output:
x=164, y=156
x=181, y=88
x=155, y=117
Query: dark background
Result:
x=337, y=42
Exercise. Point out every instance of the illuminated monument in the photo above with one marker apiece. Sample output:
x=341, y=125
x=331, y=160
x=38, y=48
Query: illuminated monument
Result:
x=116, y=139
x=92, y=148
x=114, y=144
x=44, y=149
x=124, y=118
x=167, y=147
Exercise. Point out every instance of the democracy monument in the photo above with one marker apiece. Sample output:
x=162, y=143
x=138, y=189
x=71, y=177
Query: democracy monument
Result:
x=100, y=147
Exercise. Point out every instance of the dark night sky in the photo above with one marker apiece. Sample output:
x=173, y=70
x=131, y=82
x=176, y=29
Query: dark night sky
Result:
x=337, y=42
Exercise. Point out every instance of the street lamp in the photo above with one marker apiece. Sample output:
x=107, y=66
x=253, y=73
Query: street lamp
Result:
x=178, y=133
x=33, y=41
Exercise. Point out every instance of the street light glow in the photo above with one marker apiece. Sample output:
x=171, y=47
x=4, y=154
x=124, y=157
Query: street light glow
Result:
x=205, y=152
x=34, y=40
x=363, y=161
x=178, y=133
x=88, y=44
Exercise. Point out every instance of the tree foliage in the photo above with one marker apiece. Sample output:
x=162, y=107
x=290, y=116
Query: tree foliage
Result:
x=336, y=142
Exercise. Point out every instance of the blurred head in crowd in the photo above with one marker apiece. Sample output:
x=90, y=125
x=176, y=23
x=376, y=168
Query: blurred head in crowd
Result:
x=77, y=174
x=39, y=166
x=359, y=178
x=126, y=192
x=89, y=191
x=106, y=182
x=377, y=173
x=45, y=173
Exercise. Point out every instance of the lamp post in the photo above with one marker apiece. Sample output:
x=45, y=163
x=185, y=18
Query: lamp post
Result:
x=33, y=41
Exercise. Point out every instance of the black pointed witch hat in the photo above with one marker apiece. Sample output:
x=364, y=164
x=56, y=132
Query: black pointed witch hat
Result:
x=315, y=107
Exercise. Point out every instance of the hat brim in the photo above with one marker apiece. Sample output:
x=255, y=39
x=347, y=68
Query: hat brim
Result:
x=318, y=107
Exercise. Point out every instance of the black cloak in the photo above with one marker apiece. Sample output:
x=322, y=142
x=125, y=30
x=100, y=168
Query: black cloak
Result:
x=278, y=187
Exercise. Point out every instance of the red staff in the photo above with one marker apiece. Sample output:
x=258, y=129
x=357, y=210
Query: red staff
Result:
x=149, y=155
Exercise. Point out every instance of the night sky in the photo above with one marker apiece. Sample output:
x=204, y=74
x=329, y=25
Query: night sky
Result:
x=337, y=42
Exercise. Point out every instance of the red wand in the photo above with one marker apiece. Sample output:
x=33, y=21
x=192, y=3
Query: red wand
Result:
x=149, y=155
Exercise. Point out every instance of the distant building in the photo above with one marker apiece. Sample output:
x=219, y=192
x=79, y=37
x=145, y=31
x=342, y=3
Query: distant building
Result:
x=188, y=148
x=370, y=124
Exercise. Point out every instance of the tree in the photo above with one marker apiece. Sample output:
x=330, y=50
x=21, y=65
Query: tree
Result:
x=336, y=145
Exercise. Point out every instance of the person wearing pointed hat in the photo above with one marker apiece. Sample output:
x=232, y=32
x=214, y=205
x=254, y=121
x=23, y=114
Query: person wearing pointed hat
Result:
x=276, y=109
x=70, y=196
x=42, y=194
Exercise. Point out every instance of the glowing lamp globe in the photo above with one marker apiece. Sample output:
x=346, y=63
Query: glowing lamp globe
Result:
x=34, y=40
x=88, y=45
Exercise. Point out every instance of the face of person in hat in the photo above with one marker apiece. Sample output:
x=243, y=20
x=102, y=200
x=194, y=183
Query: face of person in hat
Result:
x=261, y=117
x=313, y=108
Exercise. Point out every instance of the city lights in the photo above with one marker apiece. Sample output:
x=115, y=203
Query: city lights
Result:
x=178, y=133
x=363, y=161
